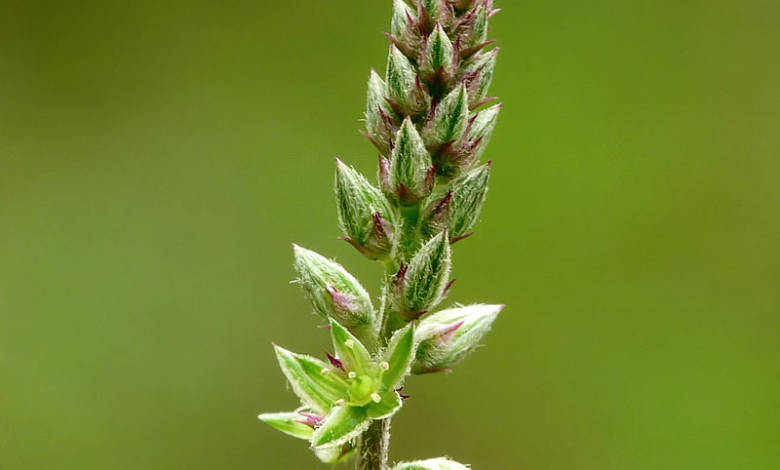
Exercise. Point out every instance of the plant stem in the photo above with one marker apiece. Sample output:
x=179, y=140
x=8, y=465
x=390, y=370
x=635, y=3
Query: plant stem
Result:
x=374, y=447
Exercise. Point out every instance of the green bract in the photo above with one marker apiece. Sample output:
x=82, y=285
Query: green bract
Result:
x=430, y=117
x=292, y=424
x=308, y=378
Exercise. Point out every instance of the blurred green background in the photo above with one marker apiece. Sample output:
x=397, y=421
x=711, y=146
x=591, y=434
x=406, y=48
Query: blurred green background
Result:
x=158, y=158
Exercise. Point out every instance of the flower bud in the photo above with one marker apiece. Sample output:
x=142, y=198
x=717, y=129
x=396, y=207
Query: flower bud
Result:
x=420, y=285
x=431, y=464
x=478, y=28
x=458, y=210
x=438, y=58
x=447, y=337
x=472, y=28
x=432, y=12
x=482, y=128
x=449, y=119
x=365, y=216
x=410, y=172
x=401, y=19
x=402, y=81
x=405, y=32
x=334, y=292
x=380, y=127
x=479, y=75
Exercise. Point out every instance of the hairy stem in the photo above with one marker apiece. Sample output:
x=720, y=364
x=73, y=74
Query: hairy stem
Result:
x=374, y=447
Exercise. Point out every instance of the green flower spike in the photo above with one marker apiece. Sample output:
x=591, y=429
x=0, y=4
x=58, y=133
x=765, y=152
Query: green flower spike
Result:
x=430, y=116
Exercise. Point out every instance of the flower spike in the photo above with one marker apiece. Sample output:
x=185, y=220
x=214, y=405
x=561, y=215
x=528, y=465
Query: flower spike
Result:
x=430, y=117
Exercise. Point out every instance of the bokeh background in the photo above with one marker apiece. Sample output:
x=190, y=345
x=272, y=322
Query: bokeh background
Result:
x=158, y=158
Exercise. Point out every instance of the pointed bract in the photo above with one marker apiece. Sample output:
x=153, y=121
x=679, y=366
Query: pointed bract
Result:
x=350, y=351
x=310, y=380
x=340, y=425
x=289, y=423
x=398, y=357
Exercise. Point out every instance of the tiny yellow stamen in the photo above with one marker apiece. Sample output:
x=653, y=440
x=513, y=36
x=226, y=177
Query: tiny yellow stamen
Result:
x=376, y=397
x=325, y=371
x=340, y=402
x=384, y=365
x=352, y=375
x=349, y=343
